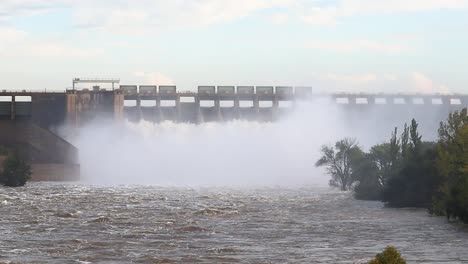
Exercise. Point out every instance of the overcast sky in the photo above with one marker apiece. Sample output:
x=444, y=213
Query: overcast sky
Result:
x=332, y=45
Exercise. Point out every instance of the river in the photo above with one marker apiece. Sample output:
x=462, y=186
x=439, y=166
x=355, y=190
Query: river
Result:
x=77, y=223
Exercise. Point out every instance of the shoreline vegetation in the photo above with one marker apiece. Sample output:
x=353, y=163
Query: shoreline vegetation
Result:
x=14, y=170
x=407, y=171
x=389, y=256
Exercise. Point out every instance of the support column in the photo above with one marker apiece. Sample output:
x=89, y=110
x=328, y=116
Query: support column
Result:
x=256, y=105
x=138, y=108
x=118, y=106
x=445, y=100
x=13, y=108
x=72, y=113
x=158, y=109
x=155, y=118
x=464, y=101
x=275, y=106
x=178, y=112
x=198, y=110
x=218, y=109
x=237, y=107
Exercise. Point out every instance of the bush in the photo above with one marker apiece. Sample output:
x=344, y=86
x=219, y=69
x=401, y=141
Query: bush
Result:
x=16, y=172
x=3, y=151
x=389, y=256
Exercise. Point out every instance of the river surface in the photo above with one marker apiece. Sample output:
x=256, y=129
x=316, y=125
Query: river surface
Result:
x=73, y=223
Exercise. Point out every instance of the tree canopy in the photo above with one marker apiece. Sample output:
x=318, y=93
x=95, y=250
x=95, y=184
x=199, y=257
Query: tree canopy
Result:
x=407, y=171
x=452, y=164
x=340, y=162
x=16, y=171
x=389, y=256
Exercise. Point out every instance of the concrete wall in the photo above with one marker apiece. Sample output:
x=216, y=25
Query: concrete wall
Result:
x=55, y=172
x=51, y=172
x=84, y=106
x=48, y=153
x=2, y=159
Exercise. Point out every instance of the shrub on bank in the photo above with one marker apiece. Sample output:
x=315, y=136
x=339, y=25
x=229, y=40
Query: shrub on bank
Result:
x=389, y=256
x=15, y=171
x=3, y=151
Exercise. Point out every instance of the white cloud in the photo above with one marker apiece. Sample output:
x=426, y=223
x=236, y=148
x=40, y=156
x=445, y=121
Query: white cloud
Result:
x=392, y=6
x=351, y=79
x=50, y=49
x=144, y=15
x=9, y=35
x=423, y=84
x=12, y=8
x=390, y=77
x=279, y=18
x=15, y=43
x=359, y=46
x=414, y=82
x=155, y=78
x=347, y=8
x=321, y=16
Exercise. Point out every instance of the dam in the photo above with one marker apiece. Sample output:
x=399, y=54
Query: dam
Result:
x=37, y=124
x=75, y=108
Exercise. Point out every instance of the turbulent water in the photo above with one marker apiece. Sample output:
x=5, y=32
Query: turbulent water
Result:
x=65, y=223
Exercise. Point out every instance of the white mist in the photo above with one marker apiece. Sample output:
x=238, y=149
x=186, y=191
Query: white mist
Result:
x=237, y=153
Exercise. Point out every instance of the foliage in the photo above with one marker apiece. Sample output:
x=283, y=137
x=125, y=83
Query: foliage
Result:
x=389, y=256
x=414, y=179
x=451, y=198
x=401, y=172
x=3, y=151
x=409, y=172
x=369, y=185
x=16, y=172
x=340, y=162
x=404, y=139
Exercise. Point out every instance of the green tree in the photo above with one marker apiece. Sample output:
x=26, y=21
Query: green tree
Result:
x=369, y=185
x=3, y=151
x=394, y=149
x=340, y=162
x=377, y=168
x=405, y=141
x=16, y=172
x=416, y=142
x=385, y=158
x=413, y=180
x=389, y=256
x=452, y=164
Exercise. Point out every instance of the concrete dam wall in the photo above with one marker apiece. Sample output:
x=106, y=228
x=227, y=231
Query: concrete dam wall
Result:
x=51, y=157
x=75, y=108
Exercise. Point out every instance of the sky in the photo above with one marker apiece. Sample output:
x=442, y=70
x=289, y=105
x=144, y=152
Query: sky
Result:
x=407, y=46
